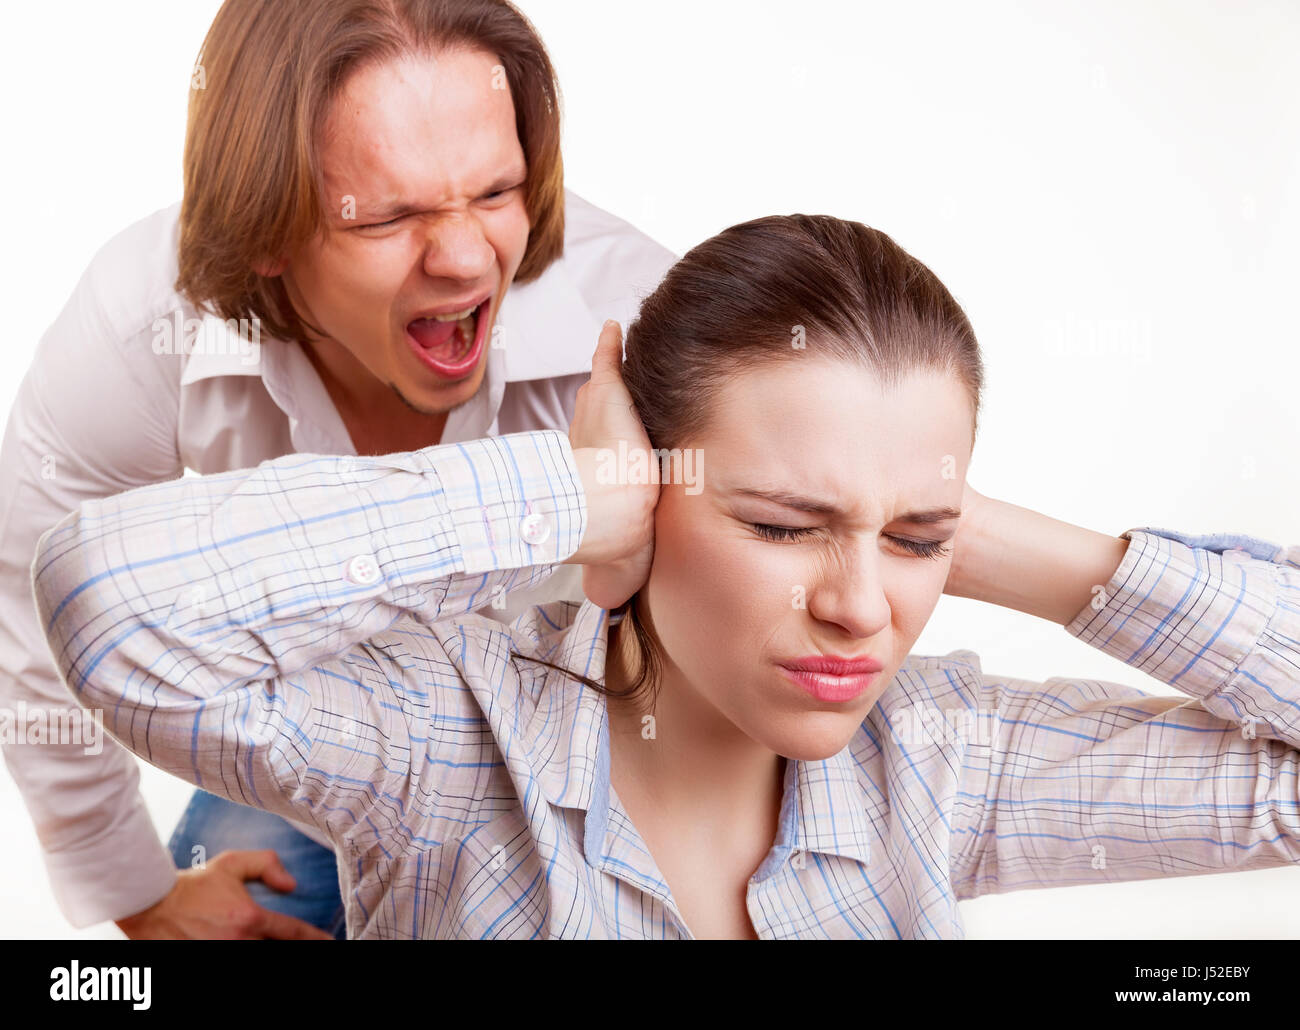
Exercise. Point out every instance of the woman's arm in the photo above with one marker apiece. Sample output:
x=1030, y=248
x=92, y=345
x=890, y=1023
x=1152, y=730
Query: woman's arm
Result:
x=233, y=629
x=1018, y=558
x=219, y=624
x=1086, y=781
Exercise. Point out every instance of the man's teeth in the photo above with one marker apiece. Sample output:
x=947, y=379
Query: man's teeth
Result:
x=455, y=316
x=466, y=323
x=465, y=330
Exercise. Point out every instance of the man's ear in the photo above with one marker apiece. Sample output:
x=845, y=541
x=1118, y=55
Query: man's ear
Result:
x=269, y=268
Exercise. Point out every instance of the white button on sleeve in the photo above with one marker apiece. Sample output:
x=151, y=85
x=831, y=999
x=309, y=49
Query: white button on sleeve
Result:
x=535, y=528
x=363, y=570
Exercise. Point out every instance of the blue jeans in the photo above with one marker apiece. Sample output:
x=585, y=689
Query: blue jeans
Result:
x=215, y=825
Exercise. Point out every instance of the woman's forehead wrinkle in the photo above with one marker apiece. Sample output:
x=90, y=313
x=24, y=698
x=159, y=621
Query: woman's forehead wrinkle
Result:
x=834, y=483
x=828, y=450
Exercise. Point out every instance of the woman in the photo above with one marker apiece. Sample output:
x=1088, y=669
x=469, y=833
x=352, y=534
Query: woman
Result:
x=746, y=747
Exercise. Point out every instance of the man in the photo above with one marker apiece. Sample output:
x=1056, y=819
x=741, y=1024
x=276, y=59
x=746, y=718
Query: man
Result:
x=374, y=253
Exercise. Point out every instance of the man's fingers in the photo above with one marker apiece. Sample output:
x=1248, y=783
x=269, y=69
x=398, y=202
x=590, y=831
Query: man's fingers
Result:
x=263, y=864
x=280, y=927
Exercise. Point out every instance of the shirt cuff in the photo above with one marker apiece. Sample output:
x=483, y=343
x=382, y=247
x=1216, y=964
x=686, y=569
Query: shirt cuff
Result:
x=1186, y=614
x=124, y=872
x=531, y=510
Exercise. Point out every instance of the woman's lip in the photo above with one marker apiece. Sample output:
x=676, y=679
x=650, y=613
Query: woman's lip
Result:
x=454, y=370
x=830, y=688
x=833, y=665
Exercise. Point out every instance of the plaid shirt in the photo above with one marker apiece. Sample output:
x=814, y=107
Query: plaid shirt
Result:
x=132, y=385
x=300, y=637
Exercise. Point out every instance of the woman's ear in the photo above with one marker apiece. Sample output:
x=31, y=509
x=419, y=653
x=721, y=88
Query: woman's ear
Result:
x=268, y=268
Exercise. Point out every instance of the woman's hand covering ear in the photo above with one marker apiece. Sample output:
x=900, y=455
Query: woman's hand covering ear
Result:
x=615, y=461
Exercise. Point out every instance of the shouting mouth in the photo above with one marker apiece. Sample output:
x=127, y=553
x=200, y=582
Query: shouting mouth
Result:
x=451, y=344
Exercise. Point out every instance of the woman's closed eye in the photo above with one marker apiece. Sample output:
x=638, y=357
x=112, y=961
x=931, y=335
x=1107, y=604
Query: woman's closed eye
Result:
x=769, y=532
x=921, y=548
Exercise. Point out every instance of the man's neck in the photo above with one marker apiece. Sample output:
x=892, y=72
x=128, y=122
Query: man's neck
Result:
x=378, y=420
x=350, y=384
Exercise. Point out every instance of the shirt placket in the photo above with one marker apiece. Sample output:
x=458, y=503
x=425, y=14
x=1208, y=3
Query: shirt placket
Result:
x=315, y=426
x=625, y=857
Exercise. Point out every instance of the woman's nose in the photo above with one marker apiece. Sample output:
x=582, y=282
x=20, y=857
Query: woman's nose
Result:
x=851, y=596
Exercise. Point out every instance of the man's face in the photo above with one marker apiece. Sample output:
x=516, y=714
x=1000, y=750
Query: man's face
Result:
x=424, y=214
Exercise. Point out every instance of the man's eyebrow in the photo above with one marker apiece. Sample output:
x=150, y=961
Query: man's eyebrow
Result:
x=387, y=210
x=515, y=177
x=816, y=506
x=391, y=209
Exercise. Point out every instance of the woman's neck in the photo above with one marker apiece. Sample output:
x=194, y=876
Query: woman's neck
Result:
x=687, y=760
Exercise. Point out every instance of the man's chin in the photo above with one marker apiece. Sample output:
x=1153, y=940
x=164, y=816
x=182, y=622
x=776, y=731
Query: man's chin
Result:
x=443, y=399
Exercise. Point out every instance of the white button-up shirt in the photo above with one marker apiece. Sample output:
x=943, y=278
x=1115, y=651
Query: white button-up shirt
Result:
x=113, y=401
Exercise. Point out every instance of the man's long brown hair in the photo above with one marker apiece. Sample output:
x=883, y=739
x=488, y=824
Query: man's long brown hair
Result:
x=262, y=88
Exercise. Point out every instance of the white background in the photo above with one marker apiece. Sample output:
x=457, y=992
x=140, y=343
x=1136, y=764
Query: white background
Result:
x=1112, y=191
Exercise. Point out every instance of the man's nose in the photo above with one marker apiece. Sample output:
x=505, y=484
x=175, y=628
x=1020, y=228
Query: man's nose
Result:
x=457, y=248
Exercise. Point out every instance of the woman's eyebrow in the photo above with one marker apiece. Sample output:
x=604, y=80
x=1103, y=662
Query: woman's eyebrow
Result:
x=929, y=516
x=816, y=506
x=791, y=500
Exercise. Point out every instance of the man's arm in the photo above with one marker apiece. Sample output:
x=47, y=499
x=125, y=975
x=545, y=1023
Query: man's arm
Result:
x=96, y=414
x=85, y=423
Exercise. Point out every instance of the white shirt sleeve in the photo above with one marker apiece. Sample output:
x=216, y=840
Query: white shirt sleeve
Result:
x=95, y=414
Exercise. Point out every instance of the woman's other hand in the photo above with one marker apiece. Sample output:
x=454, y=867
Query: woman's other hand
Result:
x=1018, y=558
x=620, y=476
x=966, y=543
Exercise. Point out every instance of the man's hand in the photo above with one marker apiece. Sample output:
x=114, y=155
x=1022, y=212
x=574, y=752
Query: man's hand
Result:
x=212, y=903
x=613, y=456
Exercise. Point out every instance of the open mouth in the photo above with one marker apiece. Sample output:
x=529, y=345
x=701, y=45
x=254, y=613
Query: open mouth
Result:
x=450, y=344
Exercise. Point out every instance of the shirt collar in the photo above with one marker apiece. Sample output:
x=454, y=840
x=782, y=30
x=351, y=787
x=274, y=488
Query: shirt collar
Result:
x=221, y=351
x=823, y=807
x=544, y=329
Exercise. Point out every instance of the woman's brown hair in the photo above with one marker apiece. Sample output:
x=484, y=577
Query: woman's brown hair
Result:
x=776, y=289
x=265, y=78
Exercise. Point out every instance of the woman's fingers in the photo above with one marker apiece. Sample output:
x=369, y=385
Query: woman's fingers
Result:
x=603, y=410
x=619, y=477
x=607, y=361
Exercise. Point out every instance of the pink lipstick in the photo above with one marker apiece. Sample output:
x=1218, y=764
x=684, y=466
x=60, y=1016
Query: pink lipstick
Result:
x=831, y=678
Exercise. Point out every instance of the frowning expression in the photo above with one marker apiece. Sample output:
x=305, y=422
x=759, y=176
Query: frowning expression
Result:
x=822, y=533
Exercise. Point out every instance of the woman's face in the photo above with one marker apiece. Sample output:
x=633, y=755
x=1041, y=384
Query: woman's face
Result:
x=818, y=448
